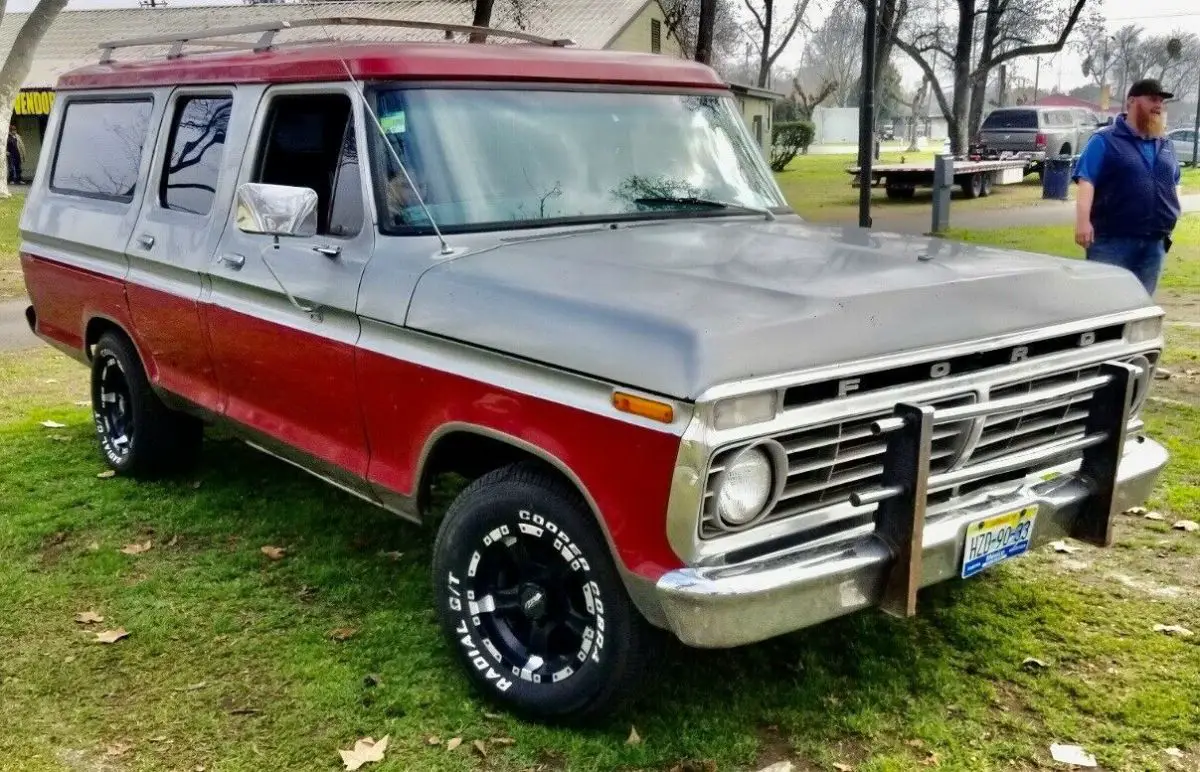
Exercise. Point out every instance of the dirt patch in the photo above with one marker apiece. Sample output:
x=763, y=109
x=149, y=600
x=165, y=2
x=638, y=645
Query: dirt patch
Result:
x=1180, y=307
x=772, y=747
x=53, y=547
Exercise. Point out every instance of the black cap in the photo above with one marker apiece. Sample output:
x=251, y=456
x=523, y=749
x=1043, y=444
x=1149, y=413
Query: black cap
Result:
x=1149, y=87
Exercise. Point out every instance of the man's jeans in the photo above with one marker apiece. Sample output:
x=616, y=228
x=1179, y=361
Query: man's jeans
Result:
x=1144, y=257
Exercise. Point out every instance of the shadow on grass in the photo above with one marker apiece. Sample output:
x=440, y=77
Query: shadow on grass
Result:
x=868, y=678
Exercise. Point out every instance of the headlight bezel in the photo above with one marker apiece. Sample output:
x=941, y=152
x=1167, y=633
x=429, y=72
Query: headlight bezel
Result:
x=775, y=458
x=1144, y=330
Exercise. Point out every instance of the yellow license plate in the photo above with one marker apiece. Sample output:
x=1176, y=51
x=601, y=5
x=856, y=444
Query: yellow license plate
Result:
x=997, y=538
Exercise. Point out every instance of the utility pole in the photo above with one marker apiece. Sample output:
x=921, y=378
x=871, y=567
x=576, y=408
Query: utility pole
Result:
x=1196, y=133
x=1037, y=76
x=866, y=118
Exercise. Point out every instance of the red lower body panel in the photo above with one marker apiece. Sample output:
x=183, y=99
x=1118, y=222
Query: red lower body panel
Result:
x=627, y=469
x=172, y=335
x=66, y=298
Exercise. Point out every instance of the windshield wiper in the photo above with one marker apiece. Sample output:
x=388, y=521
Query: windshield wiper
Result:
x=709, y=202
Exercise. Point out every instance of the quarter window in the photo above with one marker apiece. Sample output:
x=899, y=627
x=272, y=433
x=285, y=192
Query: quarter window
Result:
x=189, y=183
x=99, y=152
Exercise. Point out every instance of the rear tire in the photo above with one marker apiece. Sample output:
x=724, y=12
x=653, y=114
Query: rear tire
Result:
x=546, y=637
x=986, y=188
x=972, y=186
x=139, y=436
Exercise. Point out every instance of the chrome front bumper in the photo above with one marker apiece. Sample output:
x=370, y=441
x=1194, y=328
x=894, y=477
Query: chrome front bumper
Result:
x=725, y=606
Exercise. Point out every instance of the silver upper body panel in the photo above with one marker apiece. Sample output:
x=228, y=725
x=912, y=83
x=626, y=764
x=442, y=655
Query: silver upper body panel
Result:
x=677, y=307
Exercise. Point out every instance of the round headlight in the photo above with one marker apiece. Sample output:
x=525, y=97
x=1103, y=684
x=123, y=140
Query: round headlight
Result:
x=745, y=488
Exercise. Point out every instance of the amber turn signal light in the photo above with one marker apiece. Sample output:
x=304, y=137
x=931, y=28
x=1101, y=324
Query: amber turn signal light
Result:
x=646, y=408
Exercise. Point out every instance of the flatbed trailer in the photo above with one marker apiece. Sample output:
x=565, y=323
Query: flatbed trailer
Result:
x=975, y=177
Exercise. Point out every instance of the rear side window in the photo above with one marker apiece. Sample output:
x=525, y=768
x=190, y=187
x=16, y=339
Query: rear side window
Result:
x=100, y=149
x=189, y=181
x=1011, y=119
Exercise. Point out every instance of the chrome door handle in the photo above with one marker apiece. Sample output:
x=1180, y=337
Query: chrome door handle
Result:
x=328, y=250
x=233, y=261
x=146, y=240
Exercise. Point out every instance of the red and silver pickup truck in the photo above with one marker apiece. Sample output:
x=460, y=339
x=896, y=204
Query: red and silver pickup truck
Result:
x=569, y=276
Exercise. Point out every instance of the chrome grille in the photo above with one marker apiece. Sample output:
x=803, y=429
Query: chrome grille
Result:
x=827, y=463
x=1012, y=432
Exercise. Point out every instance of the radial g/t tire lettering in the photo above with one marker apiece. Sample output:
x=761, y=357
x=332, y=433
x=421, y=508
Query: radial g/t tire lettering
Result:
x=139, y=436
x=530, y=601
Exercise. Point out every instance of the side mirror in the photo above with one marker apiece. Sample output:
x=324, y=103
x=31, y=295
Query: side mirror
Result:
x=276, y=210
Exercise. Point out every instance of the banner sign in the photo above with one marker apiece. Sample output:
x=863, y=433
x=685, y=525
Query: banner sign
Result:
x=33, y=102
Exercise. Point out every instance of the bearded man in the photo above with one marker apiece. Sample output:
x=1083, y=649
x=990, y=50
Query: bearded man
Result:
x=1128, y=177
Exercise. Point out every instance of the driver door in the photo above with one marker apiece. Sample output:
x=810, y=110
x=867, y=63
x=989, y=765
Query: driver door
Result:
x=282, y=315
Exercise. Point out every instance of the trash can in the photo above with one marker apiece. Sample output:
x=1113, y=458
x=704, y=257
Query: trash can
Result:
x=1056, y=177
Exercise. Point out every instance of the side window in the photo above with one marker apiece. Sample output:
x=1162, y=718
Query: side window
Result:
x=99, y=149
x=308, y=141
x=189, y=181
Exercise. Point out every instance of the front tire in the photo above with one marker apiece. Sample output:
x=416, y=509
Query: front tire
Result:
x=530, y=601
x=139, y=436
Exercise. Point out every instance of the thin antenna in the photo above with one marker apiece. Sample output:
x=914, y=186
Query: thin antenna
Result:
x=446, y=248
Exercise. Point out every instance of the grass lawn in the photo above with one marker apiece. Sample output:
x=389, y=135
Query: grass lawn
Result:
x=233, y=660
x=12, y=285
x=818, y=188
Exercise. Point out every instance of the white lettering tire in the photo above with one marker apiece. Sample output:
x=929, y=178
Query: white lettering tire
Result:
x=530, y=601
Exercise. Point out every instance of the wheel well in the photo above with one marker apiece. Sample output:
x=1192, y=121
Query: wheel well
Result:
x=95, y=328
x=1065, y=149
x=459, y=457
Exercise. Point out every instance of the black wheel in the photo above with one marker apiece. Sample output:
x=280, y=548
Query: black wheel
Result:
x=530, y=601
x=139, y=435
x=972, y=186
x=985, y=187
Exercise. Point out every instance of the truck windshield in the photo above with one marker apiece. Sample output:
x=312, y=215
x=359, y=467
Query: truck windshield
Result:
x=500, y=158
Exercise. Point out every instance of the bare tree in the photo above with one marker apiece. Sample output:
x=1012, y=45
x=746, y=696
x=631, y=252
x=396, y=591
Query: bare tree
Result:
x=16, y=65
x=836, y=48
x=924, y=41
x=518, y=10
x=774, y=31
x=807, y=102
x=682, y=19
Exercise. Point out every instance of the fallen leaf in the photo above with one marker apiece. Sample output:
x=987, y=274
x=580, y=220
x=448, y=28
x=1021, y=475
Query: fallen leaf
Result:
x=1153, y=516
x=1162, y=374
x=274, y=553
x=106, y=474
x=433, y=740
x=915, y=743
x=843, y=767
x=137, y=549
x=365, y=751
x=393, y=556
x=88, y=617
x=1173, y=630
x=1136, y=511
x=196, y=485
x=159, y=739
x=1174, y=753
x=194, y=687
x=1062, y=546
x=931, y=760
x=342, y=633
x=174, y=541
x=479, y=746
x=69, y=659
x=111, y=636
x=1032, y=662
x=94, y=547
x=1072, y=754
x=53, y=425
x=453, y=743
x=502, y=741
x=117, y=749
x=1191, y=526
x=492, y=716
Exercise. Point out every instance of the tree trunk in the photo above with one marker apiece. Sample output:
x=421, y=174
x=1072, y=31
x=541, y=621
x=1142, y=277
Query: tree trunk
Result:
x=962, y=78
x=764, y=58
x=704, y=35
x=979, y=81
x=483, y=18
x=16, y=69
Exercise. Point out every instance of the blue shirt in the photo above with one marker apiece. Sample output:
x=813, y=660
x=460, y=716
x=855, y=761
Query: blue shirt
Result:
x=1092, y=158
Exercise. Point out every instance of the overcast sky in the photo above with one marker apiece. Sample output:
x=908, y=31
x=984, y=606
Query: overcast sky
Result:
x=1156, y=16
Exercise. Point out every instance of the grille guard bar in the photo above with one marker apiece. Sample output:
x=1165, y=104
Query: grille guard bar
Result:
x=906, y=482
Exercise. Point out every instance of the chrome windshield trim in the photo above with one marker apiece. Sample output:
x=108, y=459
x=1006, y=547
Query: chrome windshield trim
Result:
x=889, y=361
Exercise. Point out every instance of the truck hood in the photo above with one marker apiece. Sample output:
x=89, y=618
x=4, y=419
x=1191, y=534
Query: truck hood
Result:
x=678, y=307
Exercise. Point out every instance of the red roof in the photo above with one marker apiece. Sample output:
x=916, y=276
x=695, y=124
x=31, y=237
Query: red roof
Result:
x=404, y=61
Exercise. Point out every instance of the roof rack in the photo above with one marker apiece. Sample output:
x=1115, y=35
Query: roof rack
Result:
x=268, y=30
